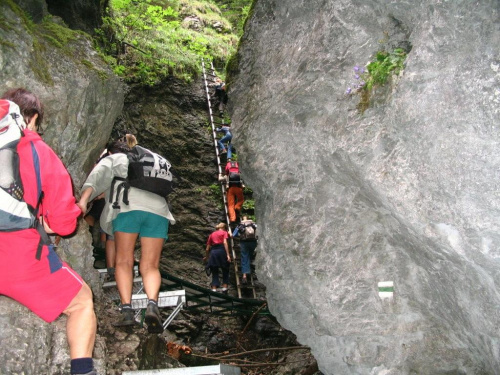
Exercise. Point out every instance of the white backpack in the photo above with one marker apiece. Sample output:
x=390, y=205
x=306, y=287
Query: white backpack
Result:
x=15, y=213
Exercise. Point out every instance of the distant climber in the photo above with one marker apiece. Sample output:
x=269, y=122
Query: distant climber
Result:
x=221, y=94
x=138, y=214
x=235, y=197
x=217, y=255
x=247, y=232
x=31, y=272
x=225, y=142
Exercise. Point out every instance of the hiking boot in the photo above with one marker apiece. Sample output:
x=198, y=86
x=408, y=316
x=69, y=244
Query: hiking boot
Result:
x=127, y=318
x=153, y=319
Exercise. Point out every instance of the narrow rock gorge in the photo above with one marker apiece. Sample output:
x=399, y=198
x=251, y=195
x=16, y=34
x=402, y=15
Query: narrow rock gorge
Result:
x=404, y=189
x=352, y=188
x=86, y=105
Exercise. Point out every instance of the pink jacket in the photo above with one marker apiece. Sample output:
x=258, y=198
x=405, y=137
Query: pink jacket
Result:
x=58, y=206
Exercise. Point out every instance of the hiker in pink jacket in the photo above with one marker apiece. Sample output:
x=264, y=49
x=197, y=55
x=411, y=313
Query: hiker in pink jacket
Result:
x=47, y=285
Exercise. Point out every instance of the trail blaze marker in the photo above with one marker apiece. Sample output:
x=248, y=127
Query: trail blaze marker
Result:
x=386, y=289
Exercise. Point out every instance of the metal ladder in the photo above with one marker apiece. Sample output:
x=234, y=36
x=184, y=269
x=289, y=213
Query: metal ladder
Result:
x=239, y=286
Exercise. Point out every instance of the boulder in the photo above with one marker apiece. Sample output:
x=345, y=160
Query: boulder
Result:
x=405, y=190
x=82, y=98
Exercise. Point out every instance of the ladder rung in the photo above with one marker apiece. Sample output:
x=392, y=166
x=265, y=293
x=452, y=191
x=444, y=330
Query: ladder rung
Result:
x=165, y=299
x=104, y=271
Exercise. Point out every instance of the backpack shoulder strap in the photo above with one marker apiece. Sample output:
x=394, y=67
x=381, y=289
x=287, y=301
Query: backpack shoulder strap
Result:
x=36, y=164
x=44, y=238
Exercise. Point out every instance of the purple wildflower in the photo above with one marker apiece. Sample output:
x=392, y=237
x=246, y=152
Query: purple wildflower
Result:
x=356, y=68
x=348, y=91
x=356, y=76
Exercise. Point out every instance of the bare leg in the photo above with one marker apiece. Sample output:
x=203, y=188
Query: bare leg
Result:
x=125, y=244
x=110, y=254
x=149, y=265
x=81, y=325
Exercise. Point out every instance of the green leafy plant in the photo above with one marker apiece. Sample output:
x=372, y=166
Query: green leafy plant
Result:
x=216, y=193
x=153, y=39
x=236, y=11
x=249, y=205
x=383, y=66
x=378, y=71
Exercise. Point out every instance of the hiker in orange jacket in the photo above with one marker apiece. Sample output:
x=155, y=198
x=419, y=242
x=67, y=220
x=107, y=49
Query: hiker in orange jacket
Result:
x=235, y=185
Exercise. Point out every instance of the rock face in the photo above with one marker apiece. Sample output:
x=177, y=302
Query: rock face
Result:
x=406, y=192
x=172, y=119
x=79, y=14
x=82, y=99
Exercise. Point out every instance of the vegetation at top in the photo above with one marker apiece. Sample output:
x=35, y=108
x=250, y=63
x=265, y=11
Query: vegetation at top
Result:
x=147, y=40
x=236, y=11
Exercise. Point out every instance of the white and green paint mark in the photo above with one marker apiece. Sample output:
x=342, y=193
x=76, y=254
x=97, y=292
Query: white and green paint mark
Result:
x=386, y=289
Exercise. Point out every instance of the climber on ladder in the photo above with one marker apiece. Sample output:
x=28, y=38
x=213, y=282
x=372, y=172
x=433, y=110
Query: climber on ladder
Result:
x=231, y=183
x=235, y=197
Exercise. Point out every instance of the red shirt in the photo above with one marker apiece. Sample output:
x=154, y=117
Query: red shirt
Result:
x=229, y=169
x=217, y=237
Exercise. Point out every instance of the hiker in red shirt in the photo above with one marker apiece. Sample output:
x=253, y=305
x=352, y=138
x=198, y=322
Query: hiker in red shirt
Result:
x=30, y=270
x=217, y=254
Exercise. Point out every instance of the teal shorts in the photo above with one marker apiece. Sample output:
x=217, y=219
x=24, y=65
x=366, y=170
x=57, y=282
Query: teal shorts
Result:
x=145, y=223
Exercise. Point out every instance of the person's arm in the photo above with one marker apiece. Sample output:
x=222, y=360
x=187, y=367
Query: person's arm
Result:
x=101, y=177
x=207, y=252
x=227, y=250
x=84, y=199
x=236, y=231
x=59, y=210
x=207, y=248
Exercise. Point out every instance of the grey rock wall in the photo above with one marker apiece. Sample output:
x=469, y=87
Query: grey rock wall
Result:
x=82, y=99
x=406, y=192
x=172, y=119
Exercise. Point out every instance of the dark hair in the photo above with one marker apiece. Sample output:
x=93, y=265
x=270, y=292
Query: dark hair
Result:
x=117, y=146
x=114, y=147
x=28, y=103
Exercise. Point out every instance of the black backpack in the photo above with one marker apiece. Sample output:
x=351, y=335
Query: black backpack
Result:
x=234, y=177
x=148, y=171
